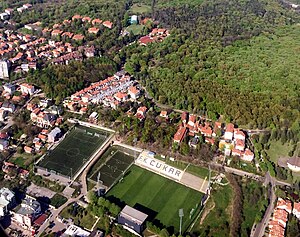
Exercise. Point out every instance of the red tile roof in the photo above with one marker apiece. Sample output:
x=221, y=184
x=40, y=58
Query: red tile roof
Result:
x=179, y=135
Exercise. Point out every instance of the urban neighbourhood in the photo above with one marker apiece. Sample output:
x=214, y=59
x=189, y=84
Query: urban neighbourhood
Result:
x=110, y=159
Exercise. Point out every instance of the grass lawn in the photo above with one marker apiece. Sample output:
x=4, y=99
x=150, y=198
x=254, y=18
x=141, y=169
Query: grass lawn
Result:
x=278, y=150
x=145, y=190
x=140, y=9
x=22, y=160
x=74, y=150
x=201, y=172
x=57, y=200
x=117, y=163
x=136, y=29
x=217, y=221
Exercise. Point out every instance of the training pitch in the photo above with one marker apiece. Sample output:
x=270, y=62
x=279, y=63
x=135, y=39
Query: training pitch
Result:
x=74, y=151
x=159, y=197
x=117, y=163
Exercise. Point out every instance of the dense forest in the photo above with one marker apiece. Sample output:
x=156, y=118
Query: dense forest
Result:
x=206, y=67
x=60, y=81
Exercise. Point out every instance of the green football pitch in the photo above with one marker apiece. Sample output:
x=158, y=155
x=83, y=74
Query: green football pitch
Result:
x=74, y=150
x=146, y=190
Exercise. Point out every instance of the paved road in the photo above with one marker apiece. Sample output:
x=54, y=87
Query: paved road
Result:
x=259, y=231
x=86, y=170
x=55, y=213
x=266, y=179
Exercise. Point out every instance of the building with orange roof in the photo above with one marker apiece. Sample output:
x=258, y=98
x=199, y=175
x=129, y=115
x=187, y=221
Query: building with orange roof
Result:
x=76, y=17
x=96, y=21
x=229, y=131
x=78, y=37
x=56, y=32
x=28, y=149
x=248, y=155
x=120, y=96
x=163, y=114
x=107, y=24
x=180, y=134
x=86, y=19
x=93, y=30
x=134, y=92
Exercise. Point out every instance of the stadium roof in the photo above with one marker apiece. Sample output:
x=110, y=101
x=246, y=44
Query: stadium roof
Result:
x=133, y=215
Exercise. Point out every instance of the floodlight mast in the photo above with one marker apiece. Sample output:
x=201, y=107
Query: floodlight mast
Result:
x=98, y=183
x=180, y=216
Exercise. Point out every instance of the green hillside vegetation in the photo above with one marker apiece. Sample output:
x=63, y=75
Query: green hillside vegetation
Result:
x=253, y=82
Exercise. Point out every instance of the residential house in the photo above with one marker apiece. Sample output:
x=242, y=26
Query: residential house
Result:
x=248, y=155
x=9, y=11
x=27, y=89
x=78, y=37
x=56, y=32
x=28, y=211
x=3, y=144
x=107, y=24
x=96, y=21
x=210, y=140
x=238, y=134
x=144, y=40
x=120, y=96
x=229, y=131
x=164, y=114
x=296, y=209
x=7, y=201
x=184, y=117
x=86, y=19
x=236, y=152
x=134, y=92
x=180, y=134
x=93, y=30
x=141, y=112
x=54, y=135
x=3, y=114
x=27, y=6
x=76, y=17
x=28, y=149
x=9, y=88
x=294, y=164
x=74, y=230
x=192, y=121
x=4, y=16
x=240, y=144
x=43, y=137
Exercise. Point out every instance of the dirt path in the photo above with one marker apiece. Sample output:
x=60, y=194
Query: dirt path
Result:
x=207, y=211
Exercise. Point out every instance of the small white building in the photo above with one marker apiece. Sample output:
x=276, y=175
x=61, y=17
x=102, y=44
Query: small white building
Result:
x=3, y=144
x=294, y=164
x=8, y=107
x=229, y=131
x=74, y=230
x=3, y=114
x=7, y=200
x=10, y=88
x=248, y=155
x=4, y=16
x=27, y=89
x=296, y=209
x=54, y=134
